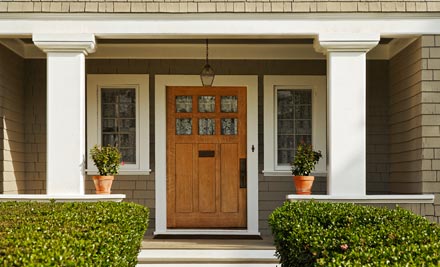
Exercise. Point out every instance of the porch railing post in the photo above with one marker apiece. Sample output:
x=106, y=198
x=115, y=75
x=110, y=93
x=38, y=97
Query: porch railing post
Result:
x=346, y=110
x=65, y=110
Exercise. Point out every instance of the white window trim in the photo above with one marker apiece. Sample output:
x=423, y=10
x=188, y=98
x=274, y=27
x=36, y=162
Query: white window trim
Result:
x=249, y=81
x=141, y=83
x=319, y=124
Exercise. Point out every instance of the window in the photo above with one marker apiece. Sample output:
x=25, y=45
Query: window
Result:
x=294, y=122
x=294, y=111
x=118, y=114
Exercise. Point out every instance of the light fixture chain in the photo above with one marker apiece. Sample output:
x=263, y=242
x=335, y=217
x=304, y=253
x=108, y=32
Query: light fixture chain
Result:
x=207, y=51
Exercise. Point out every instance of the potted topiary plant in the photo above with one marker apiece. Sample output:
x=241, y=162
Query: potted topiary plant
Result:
x=107, y=159
x=303, y=164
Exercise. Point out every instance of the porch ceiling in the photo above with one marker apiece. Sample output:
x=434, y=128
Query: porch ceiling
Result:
x=227, y=49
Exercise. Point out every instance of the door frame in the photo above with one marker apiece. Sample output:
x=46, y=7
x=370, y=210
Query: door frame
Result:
x=251, y=83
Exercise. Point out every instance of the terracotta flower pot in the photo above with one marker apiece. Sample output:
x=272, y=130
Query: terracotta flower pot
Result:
x=103, y=184
x=303, y=184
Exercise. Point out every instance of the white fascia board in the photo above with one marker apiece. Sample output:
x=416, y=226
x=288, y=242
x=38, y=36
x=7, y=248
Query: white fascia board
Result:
x=195, y=51
x=216, y=25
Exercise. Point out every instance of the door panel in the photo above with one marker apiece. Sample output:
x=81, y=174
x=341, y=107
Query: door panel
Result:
x=184, y=182
x=206, y=175
x=206, y=138
x=230, y=174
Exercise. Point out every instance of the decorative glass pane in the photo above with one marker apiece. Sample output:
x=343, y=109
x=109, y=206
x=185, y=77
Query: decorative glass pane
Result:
x=118, y=124
x=183, y=103
x=294, y=120
x=286, y=141
x=108, y=110
x=206, y=103
x=303, y=127
x=229, y=126
x=285, y=126
x=229, y=104
x=206, y=126
x=183, y=126
x=285, y=156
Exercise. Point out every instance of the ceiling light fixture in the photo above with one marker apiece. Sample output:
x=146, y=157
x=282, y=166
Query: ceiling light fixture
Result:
x=207, y=75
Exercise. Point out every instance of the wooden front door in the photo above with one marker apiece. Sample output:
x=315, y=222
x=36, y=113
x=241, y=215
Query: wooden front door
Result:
x=206, y=157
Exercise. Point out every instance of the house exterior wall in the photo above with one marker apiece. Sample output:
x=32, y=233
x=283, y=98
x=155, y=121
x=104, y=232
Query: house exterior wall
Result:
x=35, y=126
x=140, y=188
x=12, y=105
x=430, y=109
x=219, y=6
x=405, y=120
x=414, y=123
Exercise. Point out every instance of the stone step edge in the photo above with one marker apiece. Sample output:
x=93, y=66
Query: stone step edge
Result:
x=206, y=256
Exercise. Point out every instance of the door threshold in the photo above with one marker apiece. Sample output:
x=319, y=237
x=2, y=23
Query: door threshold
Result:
x=208, y=236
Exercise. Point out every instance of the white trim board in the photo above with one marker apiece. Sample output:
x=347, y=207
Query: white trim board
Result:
x=369, y=199
x=318, y=85
x=141, y=83
x=249, y=81
x=216, y=25
x=216, y=51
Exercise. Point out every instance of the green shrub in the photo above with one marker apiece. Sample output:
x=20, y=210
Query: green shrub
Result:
x=309, y=233
x=71, y=234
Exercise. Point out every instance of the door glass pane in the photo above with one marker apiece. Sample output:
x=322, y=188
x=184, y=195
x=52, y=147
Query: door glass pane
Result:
x=206, y=126
x=183, y=126
x=294, y=122
x=206, y=103
x=118, y=122
x=183, y=103
x=229, y=126
x=229, y=104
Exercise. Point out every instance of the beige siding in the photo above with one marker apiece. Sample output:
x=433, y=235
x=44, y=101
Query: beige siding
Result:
x=430, y=134
x=405, y=120
x=377, y=127
x=140, y=189
x=12, y=180
x=219, y=6
x=35, y=125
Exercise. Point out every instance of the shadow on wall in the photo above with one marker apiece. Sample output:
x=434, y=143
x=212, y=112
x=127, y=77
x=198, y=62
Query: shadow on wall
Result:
x=12, y=122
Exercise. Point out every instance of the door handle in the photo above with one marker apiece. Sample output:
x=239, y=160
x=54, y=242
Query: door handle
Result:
x=243, y=173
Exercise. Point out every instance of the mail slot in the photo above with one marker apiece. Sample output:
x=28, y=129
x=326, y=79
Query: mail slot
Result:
x=206, y=153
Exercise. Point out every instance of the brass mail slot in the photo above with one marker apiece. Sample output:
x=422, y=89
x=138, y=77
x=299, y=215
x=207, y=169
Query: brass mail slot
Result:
x=206, y=153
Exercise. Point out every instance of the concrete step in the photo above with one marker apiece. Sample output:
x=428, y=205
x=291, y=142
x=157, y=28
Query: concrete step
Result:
x=207, y=257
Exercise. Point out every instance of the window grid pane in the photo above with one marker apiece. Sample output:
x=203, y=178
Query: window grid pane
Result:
x=118, y=108
x=294, y=120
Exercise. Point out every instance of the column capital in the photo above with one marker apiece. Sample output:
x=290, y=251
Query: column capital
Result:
x=80, y=43
x=345, y=42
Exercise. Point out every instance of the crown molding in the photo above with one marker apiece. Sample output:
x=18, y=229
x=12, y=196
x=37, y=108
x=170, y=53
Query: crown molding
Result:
x=82, y=43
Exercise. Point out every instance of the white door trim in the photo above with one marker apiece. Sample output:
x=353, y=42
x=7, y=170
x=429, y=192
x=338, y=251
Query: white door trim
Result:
x=251, y=82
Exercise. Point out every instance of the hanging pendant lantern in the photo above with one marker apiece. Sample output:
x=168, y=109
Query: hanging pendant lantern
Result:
x=207, y=74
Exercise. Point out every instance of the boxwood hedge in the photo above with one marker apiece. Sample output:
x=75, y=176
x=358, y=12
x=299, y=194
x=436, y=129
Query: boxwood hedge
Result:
x=71, y=234
x=309, y=233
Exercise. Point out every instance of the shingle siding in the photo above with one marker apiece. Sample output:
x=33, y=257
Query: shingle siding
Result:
x=405, y=120
x=35, y=126
x=12, y=132
x=218, y=6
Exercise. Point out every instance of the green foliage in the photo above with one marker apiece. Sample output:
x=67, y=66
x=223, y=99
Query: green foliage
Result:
x=305, y=160
x=308, y=233
x=71, y=234
x=107, y=159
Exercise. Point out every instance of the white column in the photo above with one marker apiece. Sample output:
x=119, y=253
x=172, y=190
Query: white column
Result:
x=65, y=110
x=346, y=110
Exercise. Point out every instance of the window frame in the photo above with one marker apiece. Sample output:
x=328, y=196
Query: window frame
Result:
x=273, y=83
x=277, y=166
x=139, y=82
